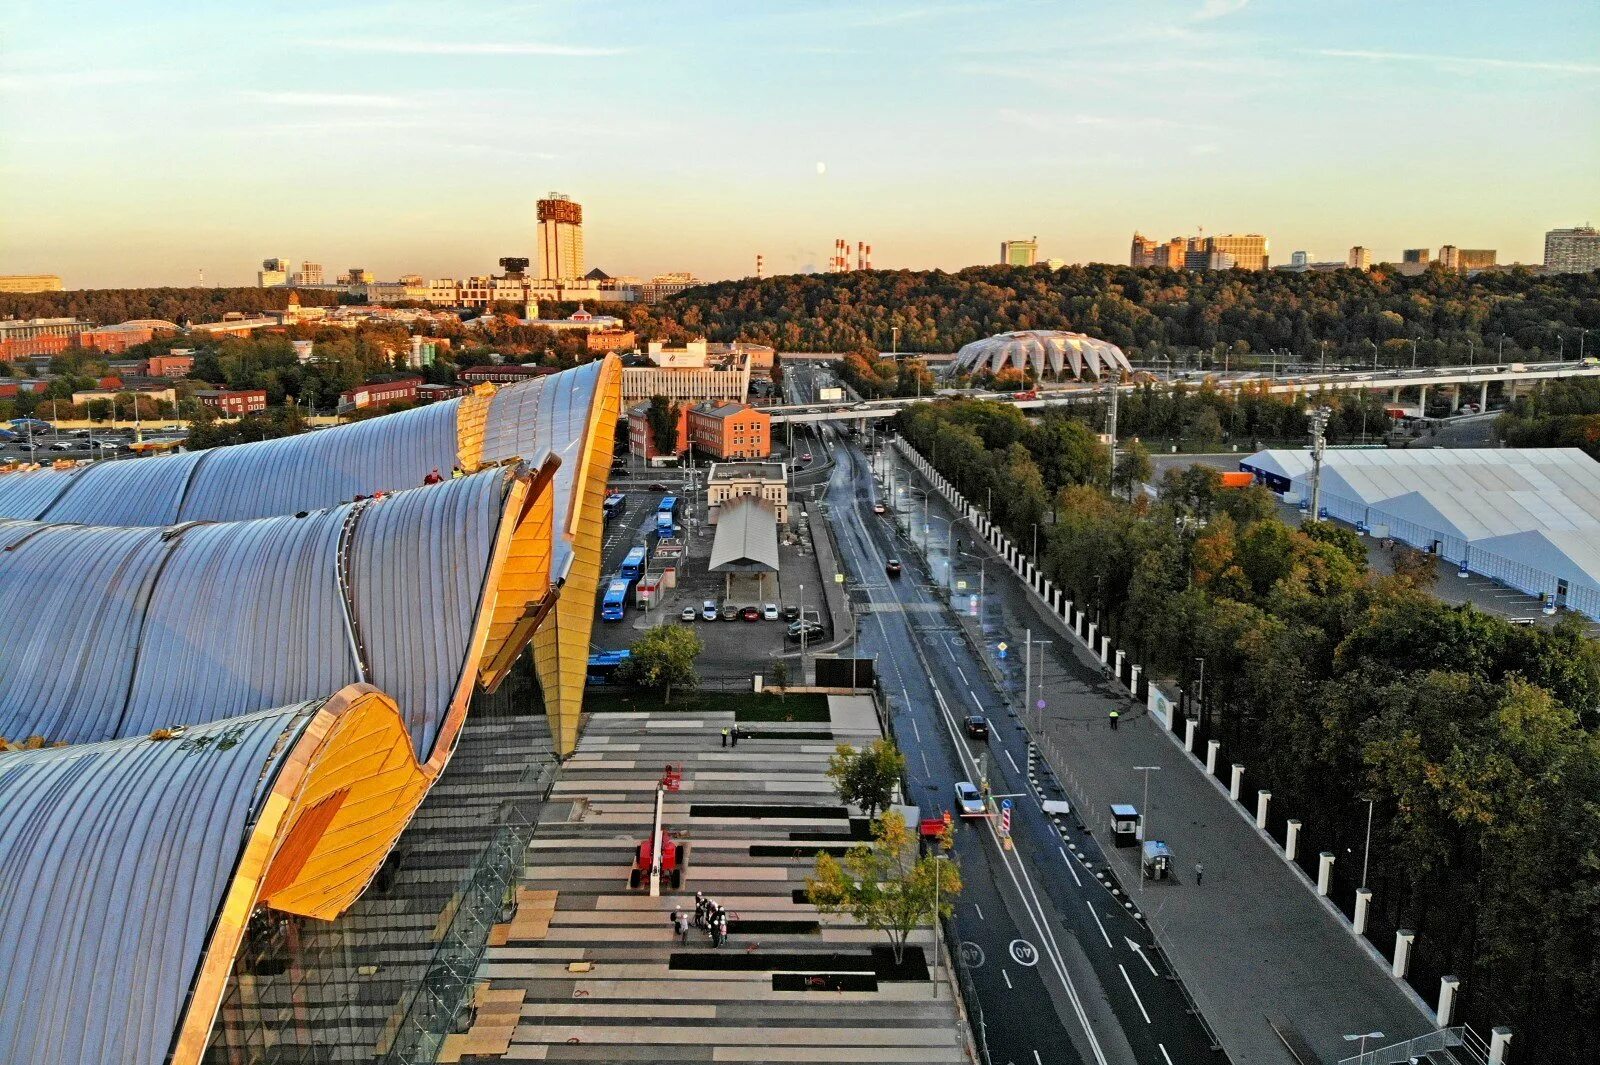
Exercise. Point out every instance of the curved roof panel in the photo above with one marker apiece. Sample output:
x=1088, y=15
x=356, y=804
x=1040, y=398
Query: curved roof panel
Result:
x=132, y=866
x=320, y=469
x=26, y=494
x=133, y=492
x=135, y=629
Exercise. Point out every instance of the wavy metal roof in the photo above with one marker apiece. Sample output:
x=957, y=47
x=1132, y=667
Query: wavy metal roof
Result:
x=131, y=867
x=27, y=494
x=132, y=492
x=117, y=856
x=135, y=629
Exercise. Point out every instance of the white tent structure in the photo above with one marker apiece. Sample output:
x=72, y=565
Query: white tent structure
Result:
x=1527, y=517
x=1047, y=352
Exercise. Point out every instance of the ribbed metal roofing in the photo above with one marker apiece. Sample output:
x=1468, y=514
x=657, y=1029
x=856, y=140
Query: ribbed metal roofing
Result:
x=117, y=856
x=134, y=492
x=29, y=493
x=129, y=630
x=747, y=537
x=1044, y=351
x=385, y=454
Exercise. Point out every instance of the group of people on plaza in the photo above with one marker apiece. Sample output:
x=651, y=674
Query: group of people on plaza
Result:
x=709, y=917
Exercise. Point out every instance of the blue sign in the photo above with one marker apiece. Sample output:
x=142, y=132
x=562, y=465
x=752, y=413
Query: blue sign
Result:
x=1005, y=804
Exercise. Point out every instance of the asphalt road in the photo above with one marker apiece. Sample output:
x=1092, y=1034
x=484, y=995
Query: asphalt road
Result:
x=1059, y=962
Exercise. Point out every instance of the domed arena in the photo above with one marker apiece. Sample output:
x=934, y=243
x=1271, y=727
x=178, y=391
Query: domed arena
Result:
x=1051, y=354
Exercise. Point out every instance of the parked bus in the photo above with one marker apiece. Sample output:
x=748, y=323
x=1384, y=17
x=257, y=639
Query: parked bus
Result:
x=604, y=664
x=616, y=600
x=632, y=566
x=666, y=515
x=615, y=502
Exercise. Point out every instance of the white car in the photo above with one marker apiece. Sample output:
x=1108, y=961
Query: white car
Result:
x=968, y=800
x=770, y=612
x=708, y=610
x=63, y=445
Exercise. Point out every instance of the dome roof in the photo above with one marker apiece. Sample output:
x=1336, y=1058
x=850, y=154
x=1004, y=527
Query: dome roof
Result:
x=1047, y=352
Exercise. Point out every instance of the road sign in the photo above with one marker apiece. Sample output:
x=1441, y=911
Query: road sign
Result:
x=961, y=586
x=972, y=606
x=1024, y=953
x=1005, y=817
x=1000, y=648
x=1039, y=705
x=838, y=578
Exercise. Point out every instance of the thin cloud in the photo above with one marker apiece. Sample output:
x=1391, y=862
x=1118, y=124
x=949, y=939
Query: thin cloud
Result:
x=482, y=48
x=76, y=79
x=1211, y=9
x=324, y=99
x=1459, y=61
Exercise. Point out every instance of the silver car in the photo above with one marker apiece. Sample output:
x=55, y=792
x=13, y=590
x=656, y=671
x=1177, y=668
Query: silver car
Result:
x=968, y=800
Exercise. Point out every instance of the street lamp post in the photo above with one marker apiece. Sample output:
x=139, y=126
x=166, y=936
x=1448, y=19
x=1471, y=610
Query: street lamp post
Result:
x=983, y=570
x=1144, y=817
x=1363, y=1036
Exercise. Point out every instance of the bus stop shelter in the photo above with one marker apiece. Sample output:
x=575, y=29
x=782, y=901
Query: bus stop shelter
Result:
x=745, y=550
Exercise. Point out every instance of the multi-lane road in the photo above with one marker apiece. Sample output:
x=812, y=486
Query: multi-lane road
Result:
x=1062, y=967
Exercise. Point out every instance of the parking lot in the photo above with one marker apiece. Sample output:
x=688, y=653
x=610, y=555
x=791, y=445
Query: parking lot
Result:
x=77, y=444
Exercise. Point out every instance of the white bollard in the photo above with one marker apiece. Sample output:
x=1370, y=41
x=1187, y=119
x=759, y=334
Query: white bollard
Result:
x=1448, y=985
x=1238, y=779
x=1117, y=669
x=1262, y=799
x=1211, y=757
x=1188, y=733
x=1092, y=629
x=1133, y=685
x=1499, y=1039
x=1291, y=839
x=1363, y=900
x=1105, y=649
x=1325, y=873
x=1402, y=952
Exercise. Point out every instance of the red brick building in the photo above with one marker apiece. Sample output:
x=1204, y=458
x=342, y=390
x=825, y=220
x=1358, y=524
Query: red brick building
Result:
x=169, y=366
x=730, y=431
x=502, y=375
x=434, y=393
x=234, y=402
x=380, y=393
x=115, y=339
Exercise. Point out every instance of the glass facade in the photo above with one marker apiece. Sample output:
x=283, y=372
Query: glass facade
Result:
x=391, y=976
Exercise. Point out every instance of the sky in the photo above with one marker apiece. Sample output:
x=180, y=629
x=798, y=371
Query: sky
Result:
x=144, y=142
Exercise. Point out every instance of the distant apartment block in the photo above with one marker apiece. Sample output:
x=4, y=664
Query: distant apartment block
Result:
x=688, y=374
x=233, y=402
x=560, y=237
x=1019, y=252
x=1223, y=252
x=1300, y=259
x=1464, y=259
x=1417, y=255
x=1359, y=259
x=1572, y=251
x=309, y=274
x=730, y=431
x=22, y=283
x=274, y=273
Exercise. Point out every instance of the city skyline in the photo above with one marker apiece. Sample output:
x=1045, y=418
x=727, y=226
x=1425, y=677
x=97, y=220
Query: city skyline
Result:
x=410, y=138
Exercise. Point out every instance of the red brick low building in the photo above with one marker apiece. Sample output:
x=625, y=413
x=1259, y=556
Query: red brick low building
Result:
x=169, y=366
x=730, y=431
x=642, y=442
x=611, y=340
x=502, y=375
x=234, y=402
x=380, y=393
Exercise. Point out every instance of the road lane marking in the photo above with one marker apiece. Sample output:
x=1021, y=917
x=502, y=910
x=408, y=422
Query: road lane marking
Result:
x=1142, y=956
x=981, y=917
x=1071, y=867
x=1037, y=1060
x=1129, y=980
x=975, y=700
x=1014, y=767
x=1008, y=980
x=1162, y=1047
x=1096, y=917
x=925, y=767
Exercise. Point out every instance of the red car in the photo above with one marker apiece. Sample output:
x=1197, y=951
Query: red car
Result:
x=750, y=613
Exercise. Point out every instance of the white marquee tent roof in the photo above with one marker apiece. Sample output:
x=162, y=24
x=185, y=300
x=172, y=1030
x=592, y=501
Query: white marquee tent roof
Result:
x=1045, y=351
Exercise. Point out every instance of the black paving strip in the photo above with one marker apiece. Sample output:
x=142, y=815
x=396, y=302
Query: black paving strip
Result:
x=717, y=809
x=823, y=836
x=773, y=927
x=880, y=962
x=823, y=982
x=799, y=850
x=773, y=734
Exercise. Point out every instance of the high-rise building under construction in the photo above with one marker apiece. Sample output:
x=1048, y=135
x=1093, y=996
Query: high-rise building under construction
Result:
x=560, y=238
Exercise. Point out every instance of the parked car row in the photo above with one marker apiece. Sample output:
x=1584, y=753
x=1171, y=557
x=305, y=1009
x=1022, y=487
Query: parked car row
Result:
x=710, y=611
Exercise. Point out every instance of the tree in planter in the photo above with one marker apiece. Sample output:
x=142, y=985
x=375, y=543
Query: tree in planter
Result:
x=885, y=886
x=780, y=677
x=663, y=659
x=867, y=777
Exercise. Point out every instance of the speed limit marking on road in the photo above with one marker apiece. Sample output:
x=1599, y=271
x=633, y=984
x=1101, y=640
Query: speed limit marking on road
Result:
x=1023, y=952
x=972, y=954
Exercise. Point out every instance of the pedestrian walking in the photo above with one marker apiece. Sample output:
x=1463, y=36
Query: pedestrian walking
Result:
x=1199, y=873
x=722, y=928
x=699, y=908
x=1114, y=721
x=735, y=734
x=724, y=737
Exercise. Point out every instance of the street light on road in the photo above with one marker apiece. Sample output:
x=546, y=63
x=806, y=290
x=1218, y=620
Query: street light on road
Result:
x=983, y=572
x=1144, y=816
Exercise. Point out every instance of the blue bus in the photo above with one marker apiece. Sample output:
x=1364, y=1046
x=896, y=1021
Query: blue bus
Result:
x=666, y=515
x=603, y=664
x=616, y=600
x=632, y=566
x=615, y=502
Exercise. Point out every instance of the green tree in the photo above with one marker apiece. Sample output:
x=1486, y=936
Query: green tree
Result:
x=663, y=659
x=1133, y=468
x=663, y=418
x=886, y=886
x=867, y=777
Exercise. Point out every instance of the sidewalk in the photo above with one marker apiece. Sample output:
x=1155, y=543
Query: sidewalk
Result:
x=1254, y=942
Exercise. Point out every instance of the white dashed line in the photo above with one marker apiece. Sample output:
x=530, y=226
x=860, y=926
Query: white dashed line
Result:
x=1096, y=917
x=1161, y=1047
x=1071, y=867
x=1135, y=993
x=1008, y=980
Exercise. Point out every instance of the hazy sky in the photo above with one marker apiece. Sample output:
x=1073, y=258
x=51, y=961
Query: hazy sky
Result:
x=141, y=142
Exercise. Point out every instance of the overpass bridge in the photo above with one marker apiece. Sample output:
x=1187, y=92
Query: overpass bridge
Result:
x=1460, y=380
